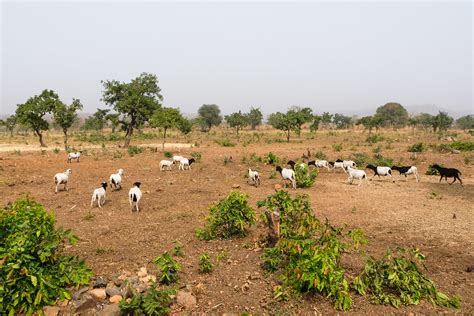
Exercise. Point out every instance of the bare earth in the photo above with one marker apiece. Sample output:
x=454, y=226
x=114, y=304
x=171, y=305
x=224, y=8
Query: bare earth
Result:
x=401, y=213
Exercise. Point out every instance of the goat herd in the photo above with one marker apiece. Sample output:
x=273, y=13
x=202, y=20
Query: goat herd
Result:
x=348, y=166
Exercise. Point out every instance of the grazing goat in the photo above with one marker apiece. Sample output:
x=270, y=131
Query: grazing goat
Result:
x=447, y=173
x=62, y=178
x=99, y=195
x=185, y=164
x=134, y=196
x=177, y=159
x=355, y=174
x=116, y=180
x=319, y=164
x=166, y=164
x=254, y=177
x=337, y=164
x=380, y=171
x=406, y=170
x=287, y=174
x=73, y=156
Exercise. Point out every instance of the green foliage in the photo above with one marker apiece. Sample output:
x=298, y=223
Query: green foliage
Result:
x=360, y=158
x=380, y=160
x=320, y=155
x=441, y=122
x=168, y=154
x=205, y=263
x=308, y=252
x=185, y=126
x=292, y=120
x=166, y=118
x=114, y=119
x=416, y=148
x=465, y=122
x=134, y=150
x=56, y=151
x=153, y=302
x=254, y=117
x=33, y=272
x=305, y=176
x=374, y=138
x=177, y=250
x=10, y=123
x=337, y=147
x=396, y=279
x=315, y=125
x=229, y=217
x=270, y=158
x=65, y=115
x=197, y=156
x=341, y=121
x=209, y=116
x=169, y=268
x=463, y=146
x=392, y=114
x=237, y=120
x=432, y=171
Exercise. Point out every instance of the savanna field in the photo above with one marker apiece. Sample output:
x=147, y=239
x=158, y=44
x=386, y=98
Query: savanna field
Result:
x=436, y=218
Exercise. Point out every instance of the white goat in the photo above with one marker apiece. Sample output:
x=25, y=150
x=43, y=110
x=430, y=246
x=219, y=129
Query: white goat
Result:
x=380, y=170
x=356, y=174
x=99, y=195
x=177, y=159
x=62, y=178
x=254, y=177
x=407, y=170
x=73, y=156
x=134, y=196
x=319, y=164
x=166, y=164
x=287, y=174
x=337, y=164
x=349, y=163
x=185, y=164
x=116, y=180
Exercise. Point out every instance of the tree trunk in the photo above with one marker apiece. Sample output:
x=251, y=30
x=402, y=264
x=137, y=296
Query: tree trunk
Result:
x=65, y=138
x=164, y=139
x=40, y=136
x=128, y=136
x=288, y=136
x=113, y=129
x=11, y=133
x=237, y=131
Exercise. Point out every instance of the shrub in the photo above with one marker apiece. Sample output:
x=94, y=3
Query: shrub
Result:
x=153, y=302
x=463, y=146
x=33, y=272
x=169, y=268
x=270, y=158
x=308, y=252
x=396, y=279
x=177, y=249
x=197, y=156
x=320, y=155
x=229, y=217
x=205, y=264
x=134, y=150
x=305, y=176
x=416, y=148
x=168, y=154
x=360, y=158
x=432, y=171
x=380, y=160
x=56, y=150
x=374, y=138
x=337, y=147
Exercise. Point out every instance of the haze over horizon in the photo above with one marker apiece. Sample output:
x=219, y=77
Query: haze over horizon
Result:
x=330, y=56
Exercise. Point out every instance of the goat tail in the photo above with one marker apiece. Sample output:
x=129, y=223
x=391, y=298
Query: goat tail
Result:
x=113, y=181
x=134, y=197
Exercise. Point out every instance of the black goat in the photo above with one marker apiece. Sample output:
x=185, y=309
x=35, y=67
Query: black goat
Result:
x=447, y=173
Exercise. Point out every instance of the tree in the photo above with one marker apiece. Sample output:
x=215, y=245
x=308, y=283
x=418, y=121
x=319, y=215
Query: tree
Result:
x=31, y=113
x=465, y=122
x=10, y=124
x=237, y=120
x=368, y=122
x=64, y=115
x=393, y=114
x=413, y=122
x=185, y=126
x=255, y=117
x=209, y=115
x=441, y=122
x=114, y=119
x=326, y=119
x=166, y=118
x=315, y=125
x=293, y=120
x=136, y=100
x=341, y=121
x=425, y=120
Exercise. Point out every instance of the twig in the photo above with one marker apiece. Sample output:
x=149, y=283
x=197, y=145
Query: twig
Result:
x=213, y=307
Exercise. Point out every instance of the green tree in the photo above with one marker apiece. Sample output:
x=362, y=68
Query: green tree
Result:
x=465, y=122
x=255, y=117
x=10, y=123
x=441, y=122
x=393, y=114
x=237, y=120
x=326, y=119
x=209, y=115
x=136, y=101
x=166, y=118
x=64, y=115
x=315, y=125
x=32, y=112
x=425, y=120
x=368, y=122
x=185, y=126
x=114, y=119
x=300, y=116
x=341, y=121
x=292, y=120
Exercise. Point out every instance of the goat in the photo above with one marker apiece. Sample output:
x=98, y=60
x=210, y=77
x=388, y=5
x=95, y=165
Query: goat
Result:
x=406, y=170
x=380, y=171
x=62, y=178
x=177, y=159
x=287, y=174
x=355, y=174
x=292, y=164
x=116, y=180
x=254, y=177
x=185, y=164
x=73, y=156
x=319, y=164
x=99, y=195
x=134, y=196
x=166, y=164
x=448, y=172
x=337, y=164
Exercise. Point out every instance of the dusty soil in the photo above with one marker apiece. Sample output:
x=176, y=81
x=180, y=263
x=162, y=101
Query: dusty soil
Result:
x=401, y=213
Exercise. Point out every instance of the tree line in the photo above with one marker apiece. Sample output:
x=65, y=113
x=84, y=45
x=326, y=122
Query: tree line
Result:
x=138, y=103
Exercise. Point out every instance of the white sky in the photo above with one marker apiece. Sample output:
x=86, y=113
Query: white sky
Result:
x=347, y=57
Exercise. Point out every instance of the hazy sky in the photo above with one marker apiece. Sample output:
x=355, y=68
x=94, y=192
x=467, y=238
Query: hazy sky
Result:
x=347, y=57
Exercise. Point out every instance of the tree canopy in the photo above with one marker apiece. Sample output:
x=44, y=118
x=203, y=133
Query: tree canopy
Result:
x=166, y=118
x=292, y=120
x=465, y=122
x=341, y=121
x=64, y=115
x=209, y=115
x=441, y=122
x=237, y=120
x=10, y=123
x=392, y=114
x=255, y=117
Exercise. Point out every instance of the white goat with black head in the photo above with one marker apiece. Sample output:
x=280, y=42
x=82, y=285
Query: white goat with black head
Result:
x=99, y=195
x=287, y=174
x=380, y=170
x=319, y=164
x=254, y=177
x=134, y=196
x=407, y=170
x=116, y=180
x=62, y=178
x=185, y=164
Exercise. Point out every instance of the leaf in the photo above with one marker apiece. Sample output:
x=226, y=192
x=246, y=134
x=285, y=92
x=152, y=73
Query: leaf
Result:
x=34, y=281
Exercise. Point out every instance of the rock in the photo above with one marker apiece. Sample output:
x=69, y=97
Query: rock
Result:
x=112, y=290
x=235, y=186
x=51, y=310
x=142, y=273
x=126, y=291
x=77, y=295
x=110, y=310
x=277, y=186
x=63, y=303
x=133, y=280
x=115, y=299
x=186, y=299
x=86, y=302
x=100, y=282
x=98, y=294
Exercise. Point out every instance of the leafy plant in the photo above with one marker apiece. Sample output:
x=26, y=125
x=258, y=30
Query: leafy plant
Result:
x=169, y=268
x=229, y=217
x=197, y=156
x=205, y=263
x=380, y=160
x=374, y=138
x=270, y=158
x=177, y=249
x=134, y=150
x=463, y=146
x=33, y=272
x=168, y=154
x=320, y=155
x=56, y=151
x=360, y=158
x=337, y=147
x=396, y=279
x=305, y=176
x=153, y=302
x=416, y=148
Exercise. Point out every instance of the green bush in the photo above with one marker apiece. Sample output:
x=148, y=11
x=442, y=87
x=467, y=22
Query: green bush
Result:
x=205, y=263
x=168, y=154
x=463, y=146
x=308, y=252
x=374, y=138
x=33, y=271
x=360, y=158
x=169, y=268
x=153, y=302
x=320, y=155
x=270, y=158
x=134, y=150
x=305, y=176
x=197, y=156
x=56, y=150
x=229, y=217
x=416, y=148
x=380, y=160
x=396, y=279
